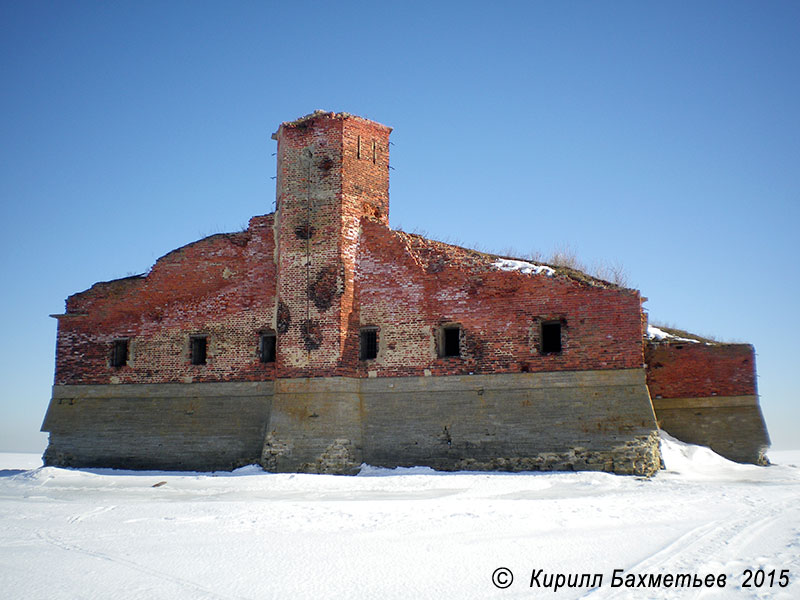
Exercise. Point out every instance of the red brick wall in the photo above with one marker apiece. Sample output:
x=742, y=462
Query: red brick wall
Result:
x=222, y=286
x=325, y=186
x=697, y=370
x=325, y=265
x=409, y=287
x=365, y=197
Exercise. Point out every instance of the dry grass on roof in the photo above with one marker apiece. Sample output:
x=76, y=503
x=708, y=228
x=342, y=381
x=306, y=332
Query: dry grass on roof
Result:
x=427, y=251
x=686, y=335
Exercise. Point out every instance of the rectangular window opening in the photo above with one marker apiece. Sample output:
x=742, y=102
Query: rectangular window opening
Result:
x=267, y=347
x=119, y=354
x=358, y=149
x=451, y=341
x=374, y=152
x=551, y=337
x=197, y=347
x=368, y=344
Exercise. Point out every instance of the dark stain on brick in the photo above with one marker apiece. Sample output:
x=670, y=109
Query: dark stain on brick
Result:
x=304, y=231
x=323, y=289
x=436, y=265
x=475, y=285
x=474, y=345
x=284, y=317
x=325, y=164
x=312, y=334
x=239, y=238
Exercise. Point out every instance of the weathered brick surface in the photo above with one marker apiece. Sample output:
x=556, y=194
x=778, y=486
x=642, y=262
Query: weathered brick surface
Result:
x=222, y=286
x=324, y=265
x=333, y=171
x=409, y=286
x=690, y=370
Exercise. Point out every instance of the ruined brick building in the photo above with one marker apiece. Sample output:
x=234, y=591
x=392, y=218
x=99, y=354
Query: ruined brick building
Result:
x=318, y=339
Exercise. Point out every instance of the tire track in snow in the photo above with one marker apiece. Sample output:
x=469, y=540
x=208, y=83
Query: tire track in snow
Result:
x=184, y=583
x=92, y=513
x=720, y=547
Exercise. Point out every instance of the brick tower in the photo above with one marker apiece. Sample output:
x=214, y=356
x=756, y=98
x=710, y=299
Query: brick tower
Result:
x=333, y=170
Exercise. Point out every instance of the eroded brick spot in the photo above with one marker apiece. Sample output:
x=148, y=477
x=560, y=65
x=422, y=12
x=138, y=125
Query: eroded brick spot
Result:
x=436, y=265
x=326, y=164
x=284, y=317
x=474, y=346
x=323, y=289
x=238, y=239
x=304, y=231
x=312, y=334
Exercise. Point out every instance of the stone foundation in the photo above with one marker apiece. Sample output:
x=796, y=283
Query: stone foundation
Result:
x=638, y=457
x=199, y=426
x=575, y=421
x=732, y=426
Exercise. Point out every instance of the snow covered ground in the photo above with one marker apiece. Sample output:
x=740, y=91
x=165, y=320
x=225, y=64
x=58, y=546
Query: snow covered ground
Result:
x=404, y=533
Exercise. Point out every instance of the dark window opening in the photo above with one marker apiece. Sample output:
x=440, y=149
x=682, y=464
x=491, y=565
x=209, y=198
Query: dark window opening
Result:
x=198, y=347
x=451, y=341
x=358, y=148
x=267, y=347
x=374, y=152
x=551, y=337
x=368, y=344
x=119, y=355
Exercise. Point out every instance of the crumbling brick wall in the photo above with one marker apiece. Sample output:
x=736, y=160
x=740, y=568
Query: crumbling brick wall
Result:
x=326, y=264
x=225, y=287
x=333, y=170
x=409, y=287
x=221, y=286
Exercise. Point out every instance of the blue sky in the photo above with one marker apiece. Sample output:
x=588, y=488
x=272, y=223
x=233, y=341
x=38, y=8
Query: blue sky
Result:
x=663, y=137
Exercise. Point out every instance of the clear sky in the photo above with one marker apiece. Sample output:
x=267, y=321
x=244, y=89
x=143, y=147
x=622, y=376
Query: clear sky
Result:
x=661, y=136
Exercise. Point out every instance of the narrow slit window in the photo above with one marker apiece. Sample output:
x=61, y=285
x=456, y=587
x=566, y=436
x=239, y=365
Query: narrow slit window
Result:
x=551, y=337
x=374, y=152
x=368, y=344
x=358, y=148
x=267, y=347
x=451, y=341
x=119, y=353
x=198, y=346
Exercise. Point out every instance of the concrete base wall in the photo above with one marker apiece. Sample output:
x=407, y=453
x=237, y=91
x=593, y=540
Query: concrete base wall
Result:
x=585, y=420
x=200, y=426
x=732, y=426
x=316, y=426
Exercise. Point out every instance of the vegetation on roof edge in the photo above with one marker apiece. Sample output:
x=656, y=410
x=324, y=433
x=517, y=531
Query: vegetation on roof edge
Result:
x=313, y=115
x=680, y=333
x=569, y=272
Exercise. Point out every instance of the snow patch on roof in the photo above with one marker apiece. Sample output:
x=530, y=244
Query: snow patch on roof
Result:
x=526, y=268
x=654, y=333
